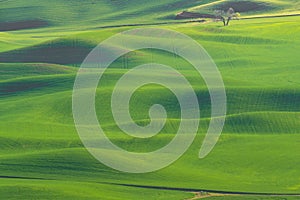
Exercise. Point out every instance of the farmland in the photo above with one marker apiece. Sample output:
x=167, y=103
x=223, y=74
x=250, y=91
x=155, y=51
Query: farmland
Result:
x=41, y=154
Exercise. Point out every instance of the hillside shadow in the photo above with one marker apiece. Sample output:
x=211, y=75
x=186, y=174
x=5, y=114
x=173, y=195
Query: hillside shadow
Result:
x=20, y=25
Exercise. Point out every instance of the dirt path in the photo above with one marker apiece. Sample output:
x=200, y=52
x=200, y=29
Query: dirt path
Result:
x=203, y=195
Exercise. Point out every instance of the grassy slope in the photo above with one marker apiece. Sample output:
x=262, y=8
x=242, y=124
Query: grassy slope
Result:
x=93, y=12
x=54, y=189
x=108, y=12
x=71, y=16
x=64, y=17
x=252, y=8
x=258, y=61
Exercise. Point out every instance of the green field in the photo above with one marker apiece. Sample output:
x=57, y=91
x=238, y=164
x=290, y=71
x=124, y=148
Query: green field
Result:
x=41, y=155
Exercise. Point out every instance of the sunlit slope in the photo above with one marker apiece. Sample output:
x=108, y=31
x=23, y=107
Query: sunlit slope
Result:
x=251, y=8
x=259, y=150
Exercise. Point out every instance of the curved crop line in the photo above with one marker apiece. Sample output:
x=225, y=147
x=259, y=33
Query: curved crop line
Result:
x=165, y=187
x=201, y=190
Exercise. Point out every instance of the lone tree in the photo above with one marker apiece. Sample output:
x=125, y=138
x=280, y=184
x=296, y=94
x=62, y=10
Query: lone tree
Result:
x=225, y=17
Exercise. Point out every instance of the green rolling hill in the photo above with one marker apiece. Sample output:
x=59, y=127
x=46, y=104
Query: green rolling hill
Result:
x=41, y=155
